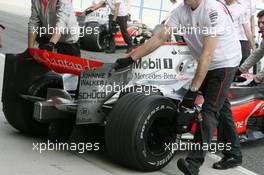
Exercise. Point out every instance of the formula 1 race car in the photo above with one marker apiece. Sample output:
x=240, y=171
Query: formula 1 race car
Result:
x=95, y=31
x=137, y=106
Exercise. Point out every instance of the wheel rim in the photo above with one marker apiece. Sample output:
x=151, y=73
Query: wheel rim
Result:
x=160, y=133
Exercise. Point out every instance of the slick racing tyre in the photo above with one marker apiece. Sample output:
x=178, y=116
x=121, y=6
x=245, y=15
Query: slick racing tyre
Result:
x=19, y=112
x=138, y=129
x=97, y=39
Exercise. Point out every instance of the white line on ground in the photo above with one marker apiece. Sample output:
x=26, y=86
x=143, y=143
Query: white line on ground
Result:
x=241, y=169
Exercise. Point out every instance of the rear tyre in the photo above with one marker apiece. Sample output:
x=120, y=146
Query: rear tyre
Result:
x=138, y=129
x=19, y=112
x=97, y=39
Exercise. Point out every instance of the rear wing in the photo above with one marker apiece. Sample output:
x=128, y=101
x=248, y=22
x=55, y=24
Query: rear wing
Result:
x=21, y=70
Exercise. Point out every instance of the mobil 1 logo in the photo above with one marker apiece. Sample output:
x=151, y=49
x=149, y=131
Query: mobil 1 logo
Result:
x=158, y=63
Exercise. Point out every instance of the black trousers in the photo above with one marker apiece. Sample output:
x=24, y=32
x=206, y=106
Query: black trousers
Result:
x=63, y=48
x=245, y=50
x=122, y=22
x=216, y=114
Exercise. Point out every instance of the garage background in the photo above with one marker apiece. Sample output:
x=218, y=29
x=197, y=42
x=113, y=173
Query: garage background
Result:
x=150, y=12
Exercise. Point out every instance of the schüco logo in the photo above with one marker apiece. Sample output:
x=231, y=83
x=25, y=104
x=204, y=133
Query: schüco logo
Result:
x=158, y=63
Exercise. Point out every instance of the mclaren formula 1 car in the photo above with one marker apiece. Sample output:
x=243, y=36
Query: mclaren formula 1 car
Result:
x=47, y=93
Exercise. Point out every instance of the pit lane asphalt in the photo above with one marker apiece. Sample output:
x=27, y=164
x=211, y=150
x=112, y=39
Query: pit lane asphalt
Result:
x=17, y=157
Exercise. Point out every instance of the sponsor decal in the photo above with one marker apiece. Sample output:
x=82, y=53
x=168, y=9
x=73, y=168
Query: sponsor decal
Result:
x=37, y=56
x=92, y=95
x=184, y=52
x=163, y=161
x=84, y=111
x=174, y=52
x=93, y=75
x=181, y=52
x=66, y=63
x=156, y=76
x=87, y=82
x=213, y=15
x=158, y=63
x=39, y=59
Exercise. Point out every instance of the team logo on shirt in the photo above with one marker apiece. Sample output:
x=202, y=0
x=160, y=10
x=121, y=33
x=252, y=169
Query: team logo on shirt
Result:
x=213, y=15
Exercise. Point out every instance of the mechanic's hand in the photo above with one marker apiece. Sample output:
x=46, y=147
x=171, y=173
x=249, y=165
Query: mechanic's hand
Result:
x=48, y=46
x=87, y=12
x=123, y=62
x=238, y=78
x=188, y=100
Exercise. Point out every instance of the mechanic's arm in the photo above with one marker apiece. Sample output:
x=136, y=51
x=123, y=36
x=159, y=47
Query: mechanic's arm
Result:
x=209, y=45
x=33, y=25
x=253, y=58
x=249, y=35
x=259, y=77
x=252, y=23
x=93, y=8
x=117, y=7
x=161, y=36
x=152, y=44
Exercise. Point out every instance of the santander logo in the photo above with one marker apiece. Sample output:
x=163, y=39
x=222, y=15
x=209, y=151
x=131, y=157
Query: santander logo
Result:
x=66, y=63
